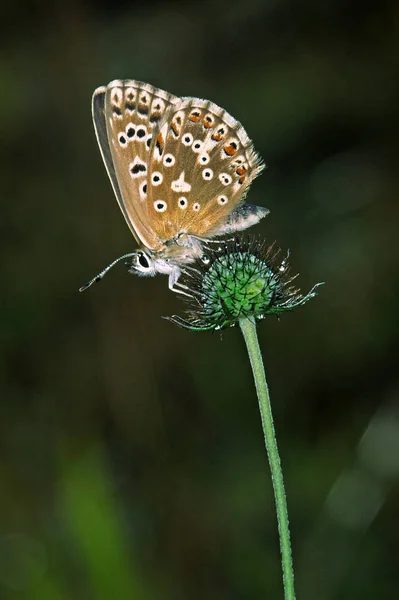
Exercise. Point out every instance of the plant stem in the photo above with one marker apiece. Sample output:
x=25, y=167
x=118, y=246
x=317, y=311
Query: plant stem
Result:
x=248, y=328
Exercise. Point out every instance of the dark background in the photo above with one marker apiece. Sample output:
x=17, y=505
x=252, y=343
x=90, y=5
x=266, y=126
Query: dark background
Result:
x=131, y=453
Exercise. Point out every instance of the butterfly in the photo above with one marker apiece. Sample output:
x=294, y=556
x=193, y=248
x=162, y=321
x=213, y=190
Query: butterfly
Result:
x=180, y=169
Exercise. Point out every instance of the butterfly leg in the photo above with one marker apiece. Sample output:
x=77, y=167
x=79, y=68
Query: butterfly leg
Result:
x=180, y=291
x=174, y=285
x=211, y=240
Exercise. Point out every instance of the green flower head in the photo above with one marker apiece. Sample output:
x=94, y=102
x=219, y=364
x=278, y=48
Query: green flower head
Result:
x=235, y=279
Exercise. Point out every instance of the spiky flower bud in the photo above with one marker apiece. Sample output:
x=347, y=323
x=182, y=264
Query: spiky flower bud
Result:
x=235, y=279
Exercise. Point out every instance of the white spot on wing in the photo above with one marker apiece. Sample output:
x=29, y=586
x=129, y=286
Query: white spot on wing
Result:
x=207, y=174
x=141, y=133
x=160, y=205
x=209, y=119
x=238, y=161
x=143, y=190
x=157, y=105
x=137, y=168
x=204, y=158
x=130, y=131
x=122, y=140
x=187, y=139
x=179, y=185
x=169, y=160
x=156, y=178
x=225, y=178
x=197, y=146
x=116, y=96
x=130, y=94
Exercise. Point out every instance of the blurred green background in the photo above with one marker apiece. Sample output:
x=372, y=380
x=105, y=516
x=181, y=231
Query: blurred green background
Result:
x=131, y=453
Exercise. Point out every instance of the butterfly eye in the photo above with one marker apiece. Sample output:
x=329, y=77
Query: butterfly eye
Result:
x=143, y=260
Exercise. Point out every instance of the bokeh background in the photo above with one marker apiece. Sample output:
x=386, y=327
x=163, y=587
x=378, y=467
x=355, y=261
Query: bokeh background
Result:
x=131, y=453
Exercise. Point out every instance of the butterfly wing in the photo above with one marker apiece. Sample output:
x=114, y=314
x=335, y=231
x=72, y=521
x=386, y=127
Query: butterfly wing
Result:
x=126, y=116
x=201, y=165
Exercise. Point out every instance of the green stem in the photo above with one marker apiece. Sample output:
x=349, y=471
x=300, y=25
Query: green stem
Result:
x=248, y=328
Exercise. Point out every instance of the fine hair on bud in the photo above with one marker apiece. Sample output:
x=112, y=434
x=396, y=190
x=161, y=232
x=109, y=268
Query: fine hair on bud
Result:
x=238, y=278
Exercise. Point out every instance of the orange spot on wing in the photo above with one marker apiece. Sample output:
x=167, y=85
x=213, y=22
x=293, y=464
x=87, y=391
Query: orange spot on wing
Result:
x=217, y=137
x=174, y=129
x=230, y=150
x=241, y=180
x=160, y=143
x=241, y=171
x=195, y=117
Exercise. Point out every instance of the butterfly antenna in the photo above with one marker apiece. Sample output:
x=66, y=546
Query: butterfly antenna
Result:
x=98, y=277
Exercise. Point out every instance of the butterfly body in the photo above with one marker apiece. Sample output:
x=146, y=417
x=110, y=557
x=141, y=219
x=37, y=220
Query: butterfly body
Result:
x=168, y=260
x=180, y=169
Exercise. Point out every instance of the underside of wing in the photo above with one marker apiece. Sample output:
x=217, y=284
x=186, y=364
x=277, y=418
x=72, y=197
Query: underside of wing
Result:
x=126, y=116
x=202, y=163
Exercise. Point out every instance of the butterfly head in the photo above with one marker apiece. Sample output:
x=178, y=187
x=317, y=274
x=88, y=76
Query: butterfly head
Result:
x=146, y=263
x=142, y=263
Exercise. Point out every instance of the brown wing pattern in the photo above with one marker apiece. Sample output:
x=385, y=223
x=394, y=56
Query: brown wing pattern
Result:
x=126, y=116
x=202, y=163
